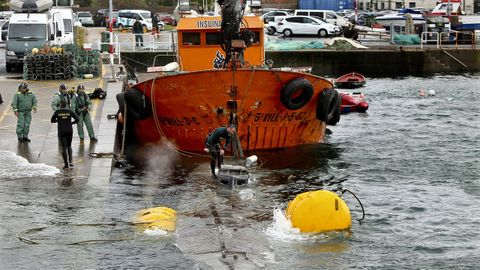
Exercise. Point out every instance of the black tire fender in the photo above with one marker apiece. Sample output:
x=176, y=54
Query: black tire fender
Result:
x=291, y=98
x=137, y=105
x=328, y=106
x=334, y=113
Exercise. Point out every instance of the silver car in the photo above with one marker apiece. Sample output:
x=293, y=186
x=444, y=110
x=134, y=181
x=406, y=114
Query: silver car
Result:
x=86, y=18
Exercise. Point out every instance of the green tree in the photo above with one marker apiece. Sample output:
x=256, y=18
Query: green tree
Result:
x=100, y=4
x=84, y=3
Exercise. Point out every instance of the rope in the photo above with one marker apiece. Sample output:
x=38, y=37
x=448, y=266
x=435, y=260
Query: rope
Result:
x=361, y=205
x=160, y=130
x=21, y=235
x=248, y=88
x=138, y=62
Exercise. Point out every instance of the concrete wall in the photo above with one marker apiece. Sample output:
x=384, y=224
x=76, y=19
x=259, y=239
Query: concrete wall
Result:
x=371, y=63
x=289, y=4
x=380, y=63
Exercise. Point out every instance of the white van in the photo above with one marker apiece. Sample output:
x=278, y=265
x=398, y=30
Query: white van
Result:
x=62, y=22
x=126, y=18
x=25, y=32
x=328, y=15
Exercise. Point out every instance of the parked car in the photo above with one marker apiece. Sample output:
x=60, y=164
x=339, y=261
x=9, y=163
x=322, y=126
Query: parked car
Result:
x=102, y=18
x=127, y=17
x=345, y=13
x=86, y=18
x=272, y=18
x=167, y=19
x=305, y=25
x=328, y=15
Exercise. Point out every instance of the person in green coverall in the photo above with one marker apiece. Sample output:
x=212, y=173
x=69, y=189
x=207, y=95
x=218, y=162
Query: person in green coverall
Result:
x=82, y=106
x=62, y=94
x=23, y=103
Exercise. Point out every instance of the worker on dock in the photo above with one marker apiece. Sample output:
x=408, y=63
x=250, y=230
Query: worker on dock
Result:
x=212, y=146
x=82, y=106
x=23, y=103
x=62, y=94
x=63, y=116
x=137, y=29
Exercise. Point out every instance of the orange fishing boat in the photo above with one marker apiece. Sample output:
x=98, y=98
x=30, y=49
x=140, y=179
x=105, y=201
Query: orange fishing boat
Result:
x=223, y=79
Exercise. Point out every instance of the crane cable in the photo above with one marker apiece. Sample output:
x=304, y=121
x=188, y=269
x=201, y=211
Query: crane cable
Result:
x=160, y=130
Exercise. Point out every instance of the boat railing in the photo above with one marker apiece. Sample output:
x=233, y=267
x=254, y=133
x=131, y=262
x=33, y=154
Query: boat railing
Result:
x=113, y=54
x=458, y=38
x=429, y=37
x=366, y=36
x=163, y=41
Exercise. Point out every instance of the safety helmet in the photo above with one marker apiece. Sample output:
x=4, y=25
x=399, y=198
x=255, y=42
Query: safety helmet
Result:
x=62, y=87
x=80, y=87
x=23, y=86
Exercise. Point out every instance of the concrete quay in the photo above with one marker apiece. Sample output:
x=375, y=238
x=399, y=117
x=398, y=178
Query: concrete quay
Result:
x=44, y=146
x=374, y=62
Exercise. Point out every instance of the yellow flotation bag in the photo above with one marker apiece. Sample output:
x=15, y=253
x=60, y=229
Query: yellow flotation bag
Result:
x=319, y=211
x=162, y=218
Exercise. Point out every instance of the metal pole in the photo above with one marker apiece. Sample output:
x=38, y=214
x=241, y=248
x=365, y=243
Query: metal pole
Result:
x=355, y=4
x=110, y=45
x=448, y=8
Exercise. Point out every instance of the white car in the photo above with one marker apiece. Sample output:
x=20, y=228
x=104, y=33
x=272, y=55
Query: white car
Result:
x=305, y=25
x=271, y=19
x=86, y=18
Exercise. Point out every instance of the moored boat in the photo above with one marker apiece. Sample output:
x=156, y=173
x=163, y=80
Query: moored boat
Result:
x=400, y=18
x=350, y=80
x=223, y=82
x=353, y=102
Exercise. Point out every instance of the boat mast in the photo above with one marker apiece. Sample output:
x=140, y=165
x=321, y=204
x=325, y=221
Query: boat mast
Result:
x=234, y=42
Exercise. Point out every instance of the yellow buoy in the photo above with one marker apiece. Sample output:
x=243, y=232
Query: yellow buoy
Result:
x=162, y=218
x=34, y=51
x=319, y=211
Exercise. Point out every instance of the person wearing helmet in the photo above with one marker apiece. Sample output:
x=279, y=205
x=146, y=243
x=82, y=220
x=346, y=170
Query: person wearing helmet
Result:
x=62, y=94
x=63, y=116
x=82, y=106
x=23, y=103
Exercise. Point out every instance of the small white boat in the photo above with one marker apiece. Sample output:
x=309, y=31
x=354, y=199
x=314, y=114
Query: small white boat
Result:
x=399, y=19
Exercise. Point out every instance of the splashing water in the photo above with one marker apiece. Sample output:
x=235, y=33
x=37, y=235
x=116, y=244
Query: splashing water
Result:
x=16, y=167
x=247, y=195
x=281, y=228
x=155, y=232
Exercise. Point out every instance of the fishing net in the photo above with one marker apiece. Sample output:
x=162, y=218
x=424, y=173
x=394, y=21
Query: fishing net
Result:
x=406, y=39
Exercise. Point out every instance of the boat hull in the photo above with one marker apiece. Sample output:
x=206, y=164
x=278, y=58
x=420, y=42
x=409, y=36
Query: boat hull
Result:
x=350, y=80
x=353, y=102
x=186, y=107
x=397, y=21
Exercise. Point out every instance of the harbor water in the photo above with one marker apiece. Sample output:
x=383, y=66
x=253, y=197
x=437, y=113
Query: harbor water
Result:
x=412, y=161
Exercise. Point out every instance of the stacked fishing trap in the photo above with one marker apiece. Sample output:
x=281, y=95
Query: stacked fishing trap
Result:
x=60, y=63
